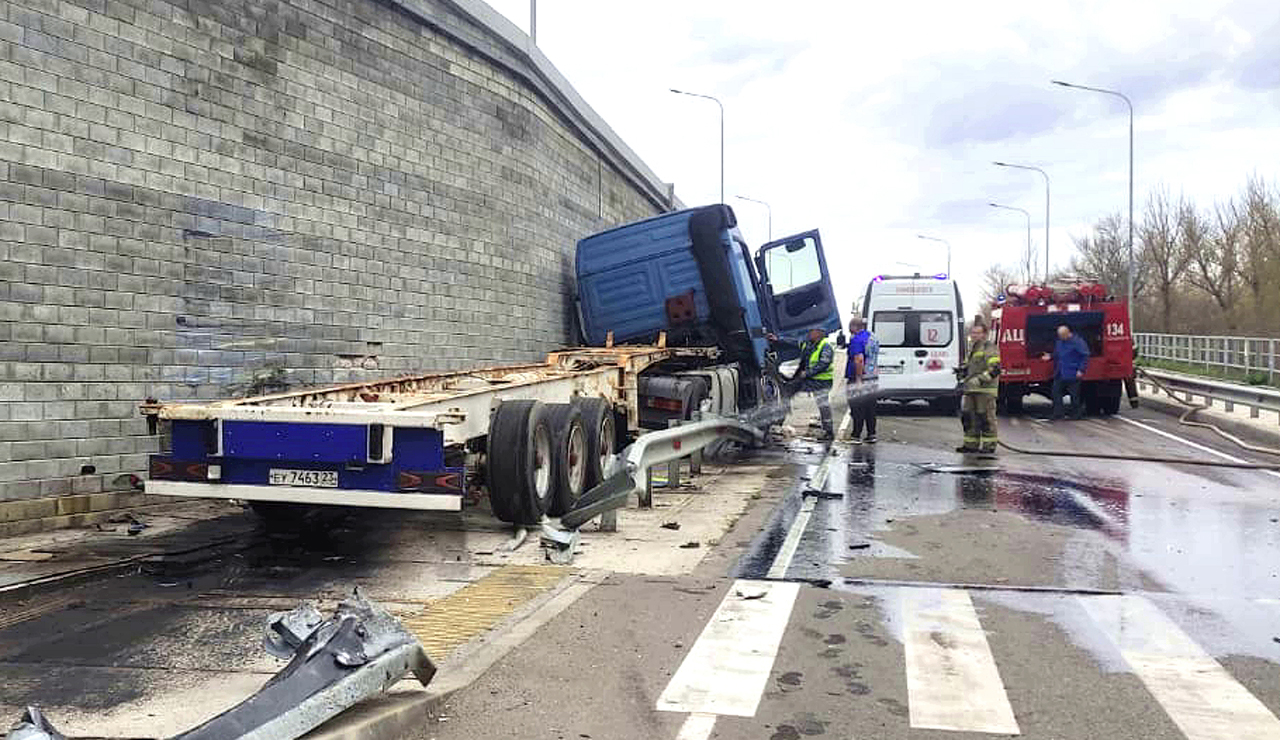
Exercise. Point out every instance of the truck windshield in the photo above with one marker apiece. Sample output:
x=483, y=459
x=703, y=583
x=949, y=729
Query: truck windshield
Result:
x=913, y=328
x=793, y=266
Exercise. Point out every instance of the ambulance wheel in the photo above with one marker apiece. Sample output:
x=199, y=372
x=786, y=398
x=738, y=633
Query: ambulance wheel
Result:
x=602, y=437
x=1013, y=404
x=521, y=462
x=568, y=456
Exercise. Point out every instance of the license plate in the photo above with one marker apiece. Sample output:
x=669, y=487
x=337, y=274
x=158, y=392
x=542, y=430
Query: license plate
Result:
x=891, y=369
x=317, y=478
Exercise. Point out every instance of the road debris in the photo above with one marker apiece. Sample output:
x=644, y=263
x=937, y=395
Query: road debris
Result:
x=671, y=525
x=559, y=545
x=691, y=546
x=359, y=651
x=33, y=726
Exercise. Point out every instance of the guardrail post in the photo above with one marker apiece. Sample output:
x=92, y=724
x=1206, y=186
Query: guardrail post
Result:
x=695, y=462
x=609, y=521
x=673, y=467
x=646, y=498
x=1271, y=364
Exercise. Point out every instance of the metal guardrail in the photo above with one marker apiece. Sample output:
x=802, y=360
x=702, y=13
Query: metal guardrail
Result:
x=1190, y=387
x=1241, y=355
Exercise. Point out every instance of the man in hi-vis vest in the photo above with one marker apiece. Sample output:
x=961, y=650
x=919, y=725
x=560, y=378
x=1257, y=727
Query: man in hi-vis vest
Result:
x=815, y=373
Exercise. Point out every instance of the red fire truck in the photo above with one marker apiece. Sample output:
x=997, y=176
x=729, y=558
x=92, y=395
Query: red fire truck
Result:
x=1025, y=322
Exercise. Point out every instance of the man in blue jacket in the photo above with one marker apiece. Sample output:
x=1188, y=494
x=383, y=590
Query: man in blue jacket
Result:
x=861, y=372
x=1071, y=359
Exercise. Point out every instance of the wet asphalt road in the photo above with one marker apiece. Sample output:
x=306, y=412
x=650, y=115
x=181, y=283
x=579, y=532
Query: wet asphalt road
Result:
x=1054, y=598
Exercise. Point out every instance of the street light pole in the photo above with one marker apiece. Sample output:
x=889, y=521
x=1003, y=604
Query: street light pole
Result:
x=717, y=102
x=1129, y=103
x=944, y=241
x=767, y=209
x=1024, y=212
x=1045, y=175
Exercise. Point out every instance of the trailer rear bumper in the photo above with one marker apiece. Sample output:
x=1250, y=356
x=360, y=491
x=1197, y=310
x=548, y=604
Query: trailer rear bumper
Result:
x=307, y=495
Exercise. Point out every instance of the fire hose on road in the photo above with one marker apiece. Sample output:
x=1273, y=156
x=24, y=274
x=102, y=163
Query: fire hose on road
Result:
x=1186, y=420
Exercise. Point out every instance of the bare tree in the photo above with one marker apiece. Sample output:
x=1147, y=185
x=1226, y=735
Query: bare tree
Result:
x=1028, y=262
x=1103, y=255
x=1164, y=250
x=1260, y=254
x=1215, y=257
x=996, y=280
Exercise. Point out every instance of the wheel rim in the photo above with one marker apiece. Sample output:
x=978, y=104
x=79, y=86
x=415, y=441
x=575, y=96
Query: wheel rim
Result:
x=606, y=444
x=542, y=463
x=576, y=457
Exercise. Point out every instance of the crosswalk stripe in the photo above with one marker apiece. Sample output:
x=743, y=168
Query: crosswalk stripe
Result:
x=698, y=726
x=952, y=679
x=1197, y=693
x=727, y=668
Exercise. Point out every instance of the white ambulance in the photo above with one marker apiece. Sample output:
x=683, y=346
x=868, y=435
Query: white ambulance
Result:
x=919, y=320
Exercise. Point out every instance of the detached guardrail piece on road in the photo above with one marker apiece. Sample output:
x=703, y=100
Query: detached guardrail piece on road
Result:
x=334, y=663
x=33, y=726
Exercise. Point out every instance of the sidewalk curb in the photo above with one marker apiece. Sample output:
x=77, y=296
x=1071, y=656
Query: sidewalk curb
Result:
x=390, y=717
x=1243, y=430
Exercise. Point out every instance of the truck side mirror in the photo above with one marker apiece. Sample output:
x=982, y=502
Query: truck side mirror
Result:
x=841, y=340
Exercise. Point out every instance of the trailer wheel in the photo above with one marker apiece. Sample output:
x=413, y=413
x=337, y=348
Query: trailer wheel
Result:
x=568, y=456
x=520, y=474
x=602, y=436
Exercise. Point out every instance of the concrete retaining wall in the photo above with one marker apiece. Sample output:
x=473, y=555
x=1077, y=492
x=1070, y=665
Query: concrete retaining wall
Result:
x=206, y=198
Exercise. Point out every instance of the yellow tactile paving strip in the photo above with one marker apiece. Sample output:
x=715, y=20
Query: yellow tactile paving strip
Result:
x=449, y=623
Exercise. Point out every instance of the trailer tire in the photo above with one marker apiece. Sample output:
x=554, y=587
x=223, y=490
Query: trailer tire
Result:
x=520, y=463
x=599, y=423
x=568, y=456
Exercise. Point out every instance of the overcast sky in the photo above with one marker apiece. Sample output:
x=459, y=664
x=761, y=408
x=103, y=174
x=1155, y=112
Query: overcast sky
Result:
x=878, y=121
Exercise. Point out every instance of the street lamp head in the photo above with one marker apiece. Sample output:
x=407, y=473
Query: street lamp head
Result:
x=995, y=205
x=1060, y=82
x=677, y=91
x=1000, y=164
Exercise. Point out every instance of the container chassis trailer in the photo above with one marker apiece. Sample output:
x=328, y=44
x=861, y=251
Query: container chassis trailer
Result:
x=536, y=436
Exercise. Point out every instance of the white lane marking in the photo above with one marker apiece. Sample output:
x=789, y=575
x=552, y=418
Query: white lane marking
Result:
x=952, y=679
x=1197, y=693
x=1194, y=445
x=844, y=426
x=795, y=532
x=697, y=727
x=726, y=669
x=787, y=551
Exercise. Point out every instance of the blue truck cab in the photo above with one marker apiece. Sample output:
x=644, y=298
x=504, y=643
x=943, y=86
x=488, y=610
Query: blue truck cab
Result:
x=690, y=274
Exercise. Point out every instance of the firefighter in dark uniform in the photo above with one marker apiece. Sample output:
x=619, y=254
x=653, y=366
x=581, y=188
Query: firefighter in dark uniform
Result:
x=979, y=385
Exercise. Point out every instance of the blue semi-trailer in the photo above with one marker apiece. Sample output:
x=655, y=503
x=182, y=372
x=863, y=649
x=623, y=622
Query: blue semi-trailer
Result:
x=674, y=311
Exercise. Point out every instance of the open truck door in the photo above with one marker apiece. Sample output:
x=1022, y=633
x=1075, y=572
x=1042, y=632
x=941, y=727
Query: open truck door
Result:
x=797, y=286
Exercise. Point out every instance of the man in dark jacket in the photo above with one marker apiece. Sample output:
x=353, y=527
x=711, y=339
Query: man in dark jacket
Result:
x=1071, y=359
